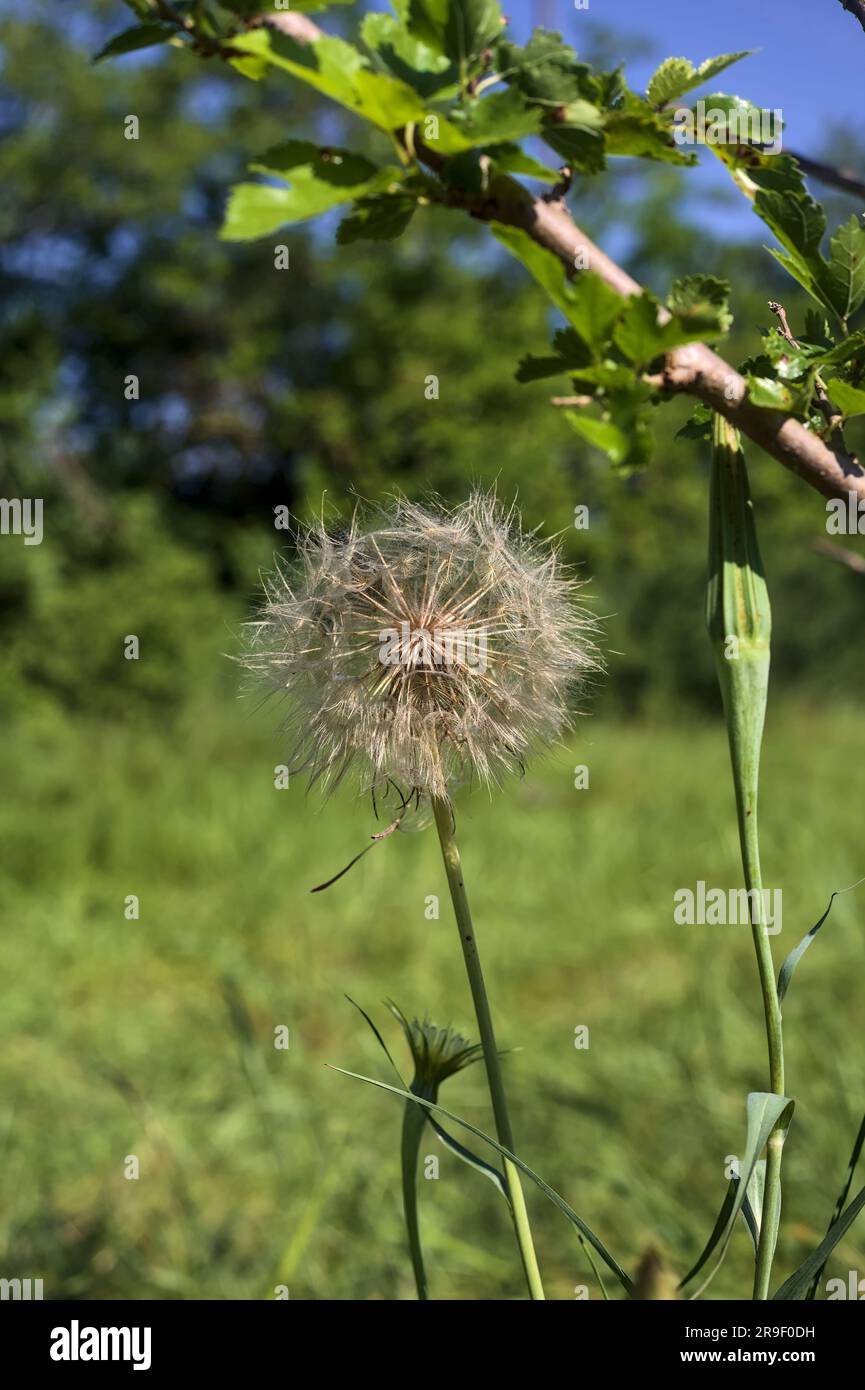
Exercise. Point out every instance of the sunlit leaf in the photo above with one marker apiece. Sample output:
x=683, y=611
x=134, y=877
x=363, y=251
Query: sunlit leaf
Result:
x=676, y=76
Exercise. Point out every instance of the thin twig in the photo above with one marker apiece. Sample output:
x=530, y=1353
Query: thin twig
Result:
x=847, y=180
x=841, y=555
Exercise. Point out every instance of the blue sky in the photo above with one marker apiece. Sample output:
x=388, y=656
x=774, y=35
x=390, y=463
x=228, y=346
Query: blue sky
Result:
x=809, y=63
x=811, y=57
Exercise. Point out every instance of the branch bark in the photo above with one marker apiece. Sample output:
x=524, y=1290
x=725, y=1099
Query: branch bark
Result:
x=847, y=180
x=856, y=8
x=695, y=369
x=841, y=555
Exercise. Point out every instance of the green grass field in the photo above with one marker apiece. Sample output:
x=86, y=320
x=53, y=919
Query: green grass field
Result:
x=258, y=1166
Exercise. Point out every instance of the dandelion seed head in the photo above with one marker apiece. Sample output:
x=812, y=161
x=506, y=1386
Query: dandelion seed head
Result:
x=423, y=647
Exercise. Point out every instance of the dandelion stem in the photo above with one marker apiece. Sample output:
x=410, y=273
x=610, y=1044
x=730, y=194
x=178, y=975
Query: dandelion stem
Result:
x=453, y=868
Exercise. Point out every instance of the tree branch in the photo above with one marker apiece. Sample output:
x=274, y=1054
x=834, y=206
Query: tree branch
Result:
x=694, y=369
x=850, y=558
x=856, y=8
x=845, y=179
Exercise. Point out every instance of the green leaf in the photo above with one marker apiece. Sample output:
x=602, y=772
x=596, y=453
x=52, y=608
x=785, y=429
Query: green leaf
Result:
x=546, y=70
x=816, y=328
x=702, y=298
x=479, y=1164
x=797, y=221
x=472, y=25
x=548, y=1191
x=496, y=119
x=605, y=435
x=858, y=1144
x=785, y=974
x=339, y=71
x=635, y=128
x=776, y=186
x=139, y=36
x=594, y=309
x=544, y=265
x=510, y=159
x=302, y=159
x=752, y=1207
x=842, y=353
x=459, y=29
x=576, y=132
x=764, y=1111
x=638, y=334
x=719, y=1228
x=588, y=303
x=797, y=1284
x=382, y=218
x=583, y=148
x=768, y=393
x=320, y=179
x=642, y=336
x=677, y=76
x=699, y=426
x=540, y=368
x=845, y=278
x=850, y=400
x=408, y=58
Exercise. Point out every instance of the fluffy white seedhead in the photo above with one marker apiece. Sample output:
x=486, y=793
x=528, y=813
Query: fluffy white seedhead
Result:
x=423, y=647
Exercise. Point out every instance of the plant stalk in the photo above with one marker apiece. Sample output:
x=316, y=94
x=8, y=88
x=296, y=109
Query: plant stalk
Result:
x=739, y=620
x=771, y=1215
x=413, y=1123
x=492, y=1062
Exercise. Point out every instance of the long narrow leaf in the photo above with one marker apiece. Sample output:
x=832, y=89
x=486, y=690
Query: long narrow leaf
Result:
x=548, y=1191
x=842, y=1198
x=751, y=1211
x=765, y=1111
x=479, y=1164
x=795, y=1286
x=718, y=1230
x=786, y=973
x=752, y=1207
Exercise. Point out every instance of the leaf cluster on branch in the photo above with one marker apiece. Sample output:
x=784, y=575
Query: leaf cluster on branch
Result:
x=457, y=100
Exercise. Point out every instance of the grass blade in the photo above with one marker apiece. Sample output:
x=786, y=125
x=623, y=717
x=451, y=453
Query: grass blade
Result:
x=842, y=1198
x=786, y=973
x=793, y=1287
x=548, y=1191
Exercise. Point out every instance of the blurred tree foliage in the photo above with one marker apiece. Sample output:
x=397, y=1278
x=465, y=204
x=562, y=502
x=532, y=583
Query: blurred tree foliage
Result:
x=261, y=387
